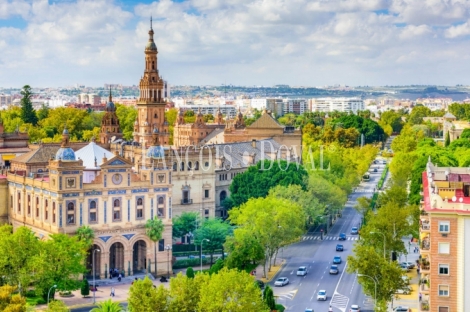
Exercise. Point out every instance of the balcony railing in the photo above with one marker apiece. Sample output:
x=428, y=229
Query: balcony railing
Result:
x=186, y=201
x=426, y=244
x=425, y=226
x=425, y=306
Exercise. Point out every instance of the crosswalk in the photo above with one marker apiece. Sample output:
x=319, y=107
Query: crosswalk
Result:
x=289, y=295
x=368, y=302
x=339, y=301
x=308, y=237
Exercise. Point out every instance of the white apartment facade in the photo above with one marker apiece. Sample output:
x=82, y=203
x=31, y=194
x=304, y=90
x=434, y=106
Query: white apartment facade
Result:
x=336, y=104
x=296, y=106
x=227, y=110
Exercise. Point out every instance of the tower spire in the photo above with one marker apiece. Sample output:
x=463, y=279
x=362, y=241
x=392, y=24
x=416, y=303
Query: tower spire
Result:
x=150, y=21
x=110, y=96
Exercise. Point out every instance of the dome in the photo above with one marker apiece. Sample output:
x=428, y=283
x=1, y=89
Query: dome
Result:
x=109, y=105
x=151, y=46
x=65, y=131
x=155, y=152
x=65, y=153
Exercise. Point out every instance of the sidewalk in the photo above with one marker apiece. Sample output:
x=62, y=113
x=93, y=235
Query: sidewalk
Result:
x=411, y=300
x=121, y=290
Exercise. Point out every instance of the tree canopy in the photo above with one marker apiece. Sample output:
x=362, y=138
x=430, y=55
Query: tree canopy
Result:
x=28, y=115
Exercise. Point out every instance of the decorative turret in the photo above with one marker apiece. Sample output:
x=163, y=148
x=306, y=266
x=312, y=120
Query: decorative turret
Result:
x=154, y=150
x=65, y=153
x=110, y=105
x=219, y=118
x=180, y=118
x=239, y=121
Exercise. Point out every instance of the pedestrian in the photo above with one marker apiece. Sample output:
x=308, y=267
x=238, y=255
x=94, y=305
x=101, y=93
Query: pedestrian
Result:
x=112, y=292
x=420, y=296
x=417, y=270
x=119, y=277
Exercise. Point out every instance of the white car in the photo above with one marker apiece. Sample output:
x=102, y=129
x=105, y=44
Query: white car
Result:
x=302, y=271
x=282, y=281
x=321, y=295
x=355, y=308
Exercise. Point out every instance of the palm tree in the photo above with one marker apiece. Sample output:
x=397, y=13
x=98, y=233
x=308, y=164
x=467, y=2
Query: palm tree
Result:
x=86, y=234
x=154, y=230
x=108, y=306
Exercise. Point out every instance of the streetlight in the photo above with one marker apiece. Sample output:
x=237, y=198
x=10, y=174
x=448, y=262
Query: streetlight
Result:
x=375, y=282
x=384, y=240
x=168, y=248
x=48, y=293
x=94, y=273
x=205, y=239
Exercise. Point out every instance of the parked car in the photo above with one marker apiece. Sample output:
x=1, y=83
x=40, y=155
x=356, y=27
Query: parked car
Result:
x=321, y=295
x=342, y=236
x=308, y=310
x=302, y=271
x=401, y=309
x=337, y=260
x=334, y=269
x=282, y=281
x=410, y=265
x=354, y=231
x=375, y=169
x=404, y=267
x=339, y=247
x=406, y=289
x=355, y=308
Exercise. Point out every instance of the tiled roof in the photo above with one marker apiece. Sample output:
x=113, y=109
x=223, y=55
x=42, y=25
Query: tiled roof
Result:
x=266, y=121
x=449, y=115
x=43, y=154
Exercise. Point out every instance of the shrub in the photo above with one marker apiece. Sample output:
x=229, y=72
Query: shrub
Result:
x=216, y=267
x=184, y=263
x=190, y=272
x=85, y=289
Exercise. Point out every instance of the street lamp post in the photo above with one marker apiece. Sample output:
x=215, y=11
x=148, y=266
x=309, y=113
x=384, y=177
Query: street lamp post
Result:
x=375, y=283
x=168, y=248
x=384, y=241
x=205, y=239
x=93, y=265
x=49, y=292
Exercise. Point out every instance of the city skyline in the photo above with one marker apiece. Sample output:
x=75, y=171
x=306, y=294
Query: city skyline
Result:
x=204, y=42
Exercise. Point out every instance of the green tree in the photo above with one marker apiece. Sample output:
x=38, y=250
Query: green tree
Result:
x=447, y=142
x=243, y=249
x=145, y=297
x=371, y=129
x=268, y=297
x=85, y=289
x=465, y=134
x=107, y=306
x=89, y=134
x=417, y=115
x=258, y=180
x=208, y=117
x=185, y=223
x=11, y=302
x=190, y=272
x=127, y=116
x=28, y=115
x=57, y=306
x=43, y=112
x=230, y=290
x=154, y=229
x=218, y=265
x=273, y=222
x=86, y=235
x=185, y=293
x=393, y=119
x=215, y=230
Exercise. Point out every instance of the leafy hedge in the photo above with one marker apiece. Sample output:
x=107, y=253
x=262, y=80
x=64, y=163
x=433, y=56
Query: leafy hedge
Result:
x=184, y=263
x=382, y=178
x=193, y=253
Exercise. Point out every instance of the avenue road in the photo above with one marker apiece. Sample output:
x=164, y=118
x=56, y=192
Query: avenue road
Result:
x=317, y=255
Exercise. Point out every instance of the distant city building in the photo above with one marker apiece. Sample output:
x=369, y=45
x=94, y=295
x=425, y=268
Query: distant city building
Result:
x=298, y=106
x=336, y=104
x=227, y=110
x=84, y=98
x=275, y=105
x=95, y=108
x=5, y=99
x=435, y=103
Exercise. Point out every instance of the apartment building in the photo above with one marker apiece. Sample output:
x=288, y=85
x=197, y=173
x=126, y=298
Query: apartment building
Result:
x=5, y=99
x=336, y=104
x=275, y=105
x=298, y=106
x=85, y=98
x=445, y=239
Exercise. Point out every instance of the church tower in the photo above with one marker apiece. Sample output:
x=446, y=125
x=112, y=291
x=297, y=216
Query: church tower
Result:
x=151, y=103
x=110, y=123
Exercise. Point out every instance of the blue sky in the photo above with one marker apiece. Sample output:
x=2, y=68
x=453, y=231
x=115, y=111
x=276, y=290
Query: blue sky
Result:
x=241, y=42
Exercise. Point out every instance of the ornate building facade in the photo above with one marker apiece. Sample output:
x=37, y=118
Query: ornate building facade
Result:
x=110, y=123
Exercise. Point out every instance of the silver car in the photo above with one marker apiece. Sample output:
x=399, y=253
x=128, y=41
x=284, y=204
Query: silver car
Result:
x=334, y=269
x=302, y=271
x=282, y=281
x=321, y=295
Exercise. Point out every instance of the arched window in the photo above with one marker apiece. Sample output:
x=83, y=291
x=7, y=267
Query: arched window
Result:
x=153, y=65
x=71, y=213
x=190, y=166
x=29, y=204
x=139, y=201
x=161, y=207
x=161, y=200
x=117, y=210
x=53, y=212
x=196, y=165
x=37, y=207
x=46, y=209
x=93, y=212
x=175, y=166
x=182, y=166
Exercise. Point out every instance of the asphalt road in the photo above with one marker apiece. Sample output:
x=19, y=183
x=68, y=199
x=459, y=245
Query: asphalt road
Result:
x=342, y=289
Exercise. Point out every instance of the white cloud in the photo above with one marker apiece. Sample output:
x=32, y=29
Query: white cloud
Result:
x=236, y=41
